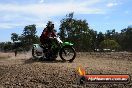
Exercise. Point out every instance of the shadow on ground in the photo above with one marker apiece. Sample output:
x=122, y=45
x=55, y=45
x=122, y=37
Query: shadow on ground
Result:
x=31, y=60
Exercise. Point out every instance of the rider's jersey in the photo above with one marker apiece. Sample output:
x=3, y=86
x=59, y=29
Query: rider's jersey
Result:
x=48, y=34
x=45, y=35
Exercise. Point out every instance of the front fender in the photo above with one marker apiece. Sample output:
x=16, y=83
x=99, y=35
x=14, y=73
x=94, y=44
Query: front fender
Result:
x=67, y=44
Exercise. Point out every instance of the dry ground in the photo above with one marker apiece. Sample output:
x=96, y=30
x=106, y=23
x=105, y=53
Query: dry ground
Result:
x=23, y=72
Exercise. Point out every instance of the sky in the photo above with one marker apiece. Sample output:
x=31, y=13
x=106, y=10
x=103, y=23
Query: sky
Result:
x=101, y=15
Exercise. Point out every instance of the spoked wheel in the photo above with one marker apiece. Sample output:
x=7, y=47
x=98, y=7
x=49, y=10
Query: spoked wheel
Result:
x=67, y=53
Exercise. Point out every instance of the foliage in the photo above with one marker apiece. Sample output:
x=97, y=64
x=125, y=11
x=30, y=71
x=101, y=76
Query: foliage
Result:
x=14, y=37
x=126, y=39
x=76, y=31
x=99, y=39
x=109, y=44
x=6, y=46
x=28, y=37
x=23, y=42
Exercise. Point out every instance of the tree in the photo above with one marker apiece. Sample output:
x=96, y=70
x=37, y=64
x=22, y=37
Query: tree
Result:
x=94, y=39
x=14, y=37
x=100, y=38
x=109, y=44
x=110, y=34
x=29, y=33
x=2, y=46
x=126, y=39
x=7, y=46
x=76, y=31
x=29, y=36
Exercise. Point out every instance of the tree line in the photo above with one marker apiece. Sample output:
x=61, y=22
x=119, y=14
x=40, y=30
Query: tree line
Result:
x=21, y=42
x=78, y=32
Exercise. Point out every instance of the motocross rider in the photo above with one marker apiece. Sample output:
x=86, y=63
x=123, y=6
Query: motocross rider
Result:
x=46, y=34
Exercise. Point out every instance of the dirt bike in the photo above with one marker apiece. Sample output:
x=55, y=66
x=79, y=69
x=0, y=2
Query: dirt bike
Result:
x=64, y=49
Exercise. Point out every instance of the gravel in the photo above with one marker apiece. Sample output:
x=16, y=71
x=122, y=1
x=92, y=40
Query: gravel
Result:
x=23, y=72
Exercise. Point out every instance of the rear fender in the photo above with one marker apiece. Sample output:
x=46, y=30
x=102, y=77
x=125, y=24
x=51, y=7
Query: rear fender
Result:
x=37, y=47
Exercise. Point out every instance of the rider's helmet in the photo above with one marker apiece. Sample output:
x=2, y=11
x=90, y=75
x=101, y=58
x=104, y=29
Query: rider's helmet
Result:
x=50, y=26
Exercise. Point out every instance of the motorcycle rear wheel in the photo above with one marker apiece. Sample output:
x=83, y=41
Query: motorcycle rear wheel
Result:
x=34, y=55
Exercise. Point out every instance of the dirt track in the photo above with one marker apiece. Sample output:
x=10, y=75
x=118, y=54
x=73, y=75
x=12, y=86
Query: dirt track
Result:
x=22, y=71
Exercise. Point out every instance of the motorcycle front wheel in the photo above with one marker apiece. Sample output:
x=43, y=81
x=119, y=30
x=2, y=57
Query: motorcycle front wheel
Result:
x=67, y=53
